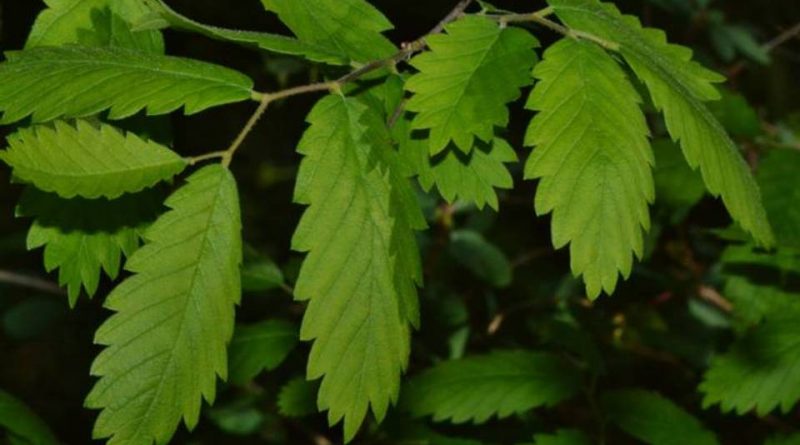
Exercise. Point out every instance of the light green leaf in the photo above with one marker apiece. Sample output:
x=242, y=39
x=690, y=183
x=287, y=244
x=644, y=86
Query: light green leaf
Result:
x=83, y=237
x=348, y=30
x=166, y=342
x=88, y=161
x=298, y=398
x=594, y=161
x=471, y=177
x=466, y=80
x=66, y=22
x=22, y=423
x=481, y=257
x=266, y=41
x=363, y=265
x=499, y=384
x=259, y=347
x=679, y=87
x=562, y=437
x=51, y=82
x=780, y=186
x=760, y=372
x=654, y=419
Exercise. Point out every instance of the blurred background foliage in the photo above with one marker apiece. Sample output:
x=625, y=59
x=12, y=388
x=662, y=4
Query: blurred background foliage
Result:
x=492, y=279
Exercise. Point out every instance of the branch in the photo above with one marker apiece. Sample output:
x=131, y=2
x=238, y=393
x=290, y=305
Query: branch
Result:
x=17, y=279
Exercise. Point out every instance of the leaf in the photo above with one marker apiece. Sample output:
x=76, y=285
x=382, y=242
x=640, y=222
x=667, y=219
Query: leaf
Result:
x=471, y=177
x=110, y=29
x=753, y=302
x=298, y=398
x=466, y=80
x=259, y=347
x=736, y=114
x=654, y=419
x=481, y=257
x=760, y=372
x=260, y=273
x=88, y=161
x=562, y=437
x=594, y=161
x=499, y=384
x=363, y=265
x=349, y=30
x=266, y=41
x=66, y=22
x=677, y=185
x=51, y=82
x=780, y=188
x=166, y=342
x=22, y=423
x=83, y=237
x=679, y=87
x=793, y=439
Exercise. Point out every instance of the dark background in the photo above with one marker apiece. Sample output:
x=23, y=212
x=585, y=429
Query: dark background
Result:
x=50, y=370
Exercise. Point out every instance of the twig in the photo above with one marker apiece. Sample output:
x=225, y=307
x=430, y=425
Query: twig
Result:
x=28, y=281
x=782, y=38
x=540, y=17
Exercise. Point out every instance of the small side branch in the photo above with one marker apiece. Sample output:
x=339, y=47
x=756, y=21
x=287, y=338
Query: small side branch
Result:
x=17, y=279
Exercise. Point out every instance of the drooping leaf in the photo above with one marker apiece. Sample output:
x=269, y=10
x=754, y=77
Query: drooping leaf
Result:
x=679, y=87
x=482, y=258
x=654, y=419
x=74, y=81
x=497, y=384
x=562, y=437
x=259, y=347
x=66, y=22
x=82, y=237
x=594, y=161
x=166, y=342
x=467, y=79
x=760, y=372
x=22, y=423
x=266, y=41
x=362, y=267
x=298, y=398
x=780, y=187
x=88, y=161
x=349, y=30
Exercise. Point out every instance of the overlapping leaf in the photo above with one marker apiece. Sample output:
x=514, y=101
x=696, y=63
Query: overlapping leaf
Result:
x=362, y=267
x=258, y=347
x=349, y=31
x=82, y=238
x=23, y=426
x=467, y=79
x=498, y=384
x=761, y=371
x=679, y=87
x=88, y=161
x=166, y=342
x=654, y=419
x=594, y=161
x=298, y=398
x=562, y=437
x=780, y=186
x=73, y=81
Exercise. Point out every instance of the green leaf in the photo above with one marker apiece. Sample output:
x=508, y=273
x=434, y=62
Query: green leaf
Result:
x=780, y=187
x=562, y=437
x=88, y=161
x=481, y=257
x=654, y=419
x=501, y=383
x=363, y=265
x=349, y=30
x=471, y=177
x=298, y=398
x=466, y=80
x=594, y=161
x=753, y=302
x=83, y=237
x=793, y=439
x=110, y=29
x=736, y=114
x=260, y=273
x=677, y=185
x=259, y=347
x=51, y=82
x=679, y=87
x=166, y=342
x=66, y=22
x=760, y=372
x=22, y=423
x=266, y=41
